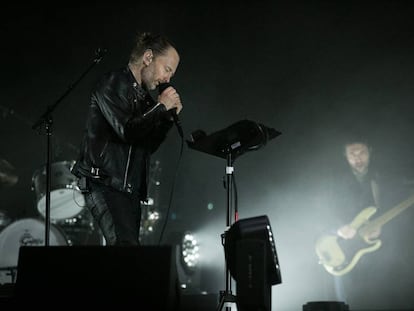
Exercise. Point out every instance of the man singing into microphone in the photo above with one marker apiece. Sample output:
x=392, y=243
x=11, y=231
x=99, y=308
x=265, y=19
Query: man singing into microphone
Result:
x=123, y=128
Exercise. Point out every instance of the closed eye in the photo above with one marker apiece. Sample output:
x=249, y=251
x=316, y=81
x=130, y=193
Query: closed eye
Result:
x=169, y=70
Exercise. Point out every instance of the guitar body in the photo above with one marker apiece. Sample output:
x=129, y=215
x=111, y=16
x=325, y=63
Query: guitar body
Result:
x=339, y=256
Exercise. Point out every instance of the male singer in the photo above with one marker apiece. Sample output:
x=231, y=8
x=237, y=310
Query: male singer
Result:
x=124, y=127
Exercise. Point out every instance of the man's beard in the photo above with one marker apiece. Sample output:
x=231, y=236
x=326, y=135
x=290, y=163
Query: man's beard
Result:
x=360, y=175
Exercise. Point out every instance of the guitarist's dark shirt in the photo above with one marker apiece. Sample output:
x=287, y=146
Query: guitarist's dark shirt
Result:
x=350, y=196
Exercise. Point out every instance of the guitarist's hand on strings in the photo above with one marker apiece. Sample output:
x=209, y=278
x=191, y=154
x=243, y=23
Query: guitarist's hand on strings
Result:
x=347, y=232
x=372, y=234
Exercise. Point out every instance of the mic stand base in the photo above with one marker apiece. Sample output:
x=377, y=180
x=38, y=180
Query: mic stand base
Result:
x=226, y=299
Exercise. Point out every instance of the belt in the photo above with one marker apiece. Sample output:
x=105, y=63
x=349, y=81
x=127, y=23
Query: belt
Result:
x=114, y=182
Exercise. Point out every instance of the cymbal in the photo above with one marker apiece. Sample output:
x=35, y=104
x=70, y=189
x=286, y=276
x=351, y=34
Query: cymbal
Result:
x=8, y=177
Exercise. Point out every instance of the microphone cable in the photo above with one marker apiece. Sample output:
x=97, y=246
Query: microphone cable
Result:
x=171, y=192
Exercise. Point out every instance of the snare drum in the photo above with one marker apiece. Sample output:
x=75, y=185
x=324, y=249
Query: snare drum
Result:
x=66, y=201
x=25, y=232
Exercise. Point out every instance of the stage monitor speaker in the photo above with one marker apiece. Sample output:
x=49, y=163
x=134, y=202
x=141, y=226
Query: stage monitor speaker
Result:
x=143, y=277
x=254, y=289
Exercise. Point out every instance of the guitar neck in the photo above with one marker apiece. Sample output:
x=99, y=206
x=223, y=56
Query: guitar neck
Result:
x=390, y=214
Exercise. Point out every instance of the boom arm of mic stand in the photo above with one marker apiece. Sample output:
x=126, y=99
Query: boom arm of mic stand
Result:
x=43, y=118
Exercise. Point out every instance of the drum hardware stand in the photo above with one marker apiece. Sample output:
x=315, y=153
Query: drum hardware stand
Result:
x=46, y=120
x=230, y=143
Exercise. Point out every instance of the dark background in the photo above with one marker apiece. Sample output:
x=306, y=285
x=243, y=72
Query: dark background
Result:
x=316, y=71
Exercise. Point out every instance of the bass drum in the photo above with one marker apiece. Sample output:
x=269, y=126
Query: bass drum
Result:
x=66, y=201
x=25, y=232
x=81, y=230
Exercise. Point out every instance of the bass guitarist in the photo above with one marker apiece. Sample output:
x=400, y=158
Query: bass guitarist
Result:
x=356, y=250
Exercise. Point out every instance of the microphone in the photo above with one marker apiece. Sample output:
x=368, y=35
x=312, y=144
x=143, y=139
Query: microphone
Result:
x=161, y=88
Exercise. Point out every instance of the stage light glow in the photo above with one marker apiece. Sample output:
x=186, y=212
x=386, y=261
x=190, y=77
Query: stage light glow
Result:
x=189, y=252
x=153, y=215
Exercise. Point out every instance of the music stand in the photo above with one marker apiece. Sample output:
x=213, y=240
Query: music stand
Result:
x=230, y=143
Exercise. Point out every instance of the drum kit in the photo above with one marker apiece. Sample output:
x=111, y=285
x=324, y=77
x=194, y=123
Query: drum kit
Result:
x=70, y=221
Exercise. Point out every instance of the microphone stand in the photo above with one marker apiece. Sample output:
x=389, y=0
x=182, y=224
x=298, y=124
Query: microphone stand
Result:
x=46, y=120
x=226, y=296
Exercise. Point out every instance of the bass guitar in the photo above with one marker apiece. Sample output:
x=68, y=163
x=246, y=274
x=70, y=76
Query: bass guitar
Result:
x=339, y=256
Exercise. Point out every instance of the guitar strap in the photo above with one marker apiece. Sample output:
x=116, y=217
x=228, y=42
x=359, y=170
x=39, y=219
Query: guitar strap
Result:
x=375, y=192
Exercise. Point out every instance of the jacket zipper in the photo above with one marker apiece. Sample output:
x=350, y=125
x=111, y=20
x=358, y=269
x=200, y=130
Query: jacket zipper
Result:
x=127, y=166
x=151, y=110
x=103, y=149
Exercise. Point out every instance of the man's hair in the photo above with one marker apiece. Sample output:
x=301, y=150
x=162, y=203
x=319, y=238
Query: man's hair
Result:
x=356, y=141
x=158, y=44
x=356, y=137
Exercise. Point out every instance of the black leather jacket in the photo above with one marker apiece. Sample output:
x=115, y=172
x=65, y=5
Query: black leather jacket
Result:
x=124, y=127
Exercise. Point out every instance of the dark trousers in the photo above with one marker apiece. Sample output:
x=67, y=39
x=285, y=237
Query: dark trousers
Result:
x=118, y=214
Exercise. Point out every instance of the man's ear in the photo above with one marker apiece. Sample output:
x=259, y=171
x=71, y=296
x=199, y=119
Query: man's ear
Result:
x=148, y=57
